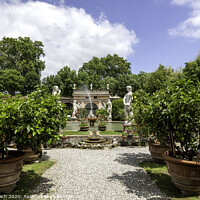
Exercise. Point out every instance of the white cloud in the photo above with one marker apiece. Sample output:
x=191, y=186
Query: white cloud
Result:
x=190, y=27
x=70, y=35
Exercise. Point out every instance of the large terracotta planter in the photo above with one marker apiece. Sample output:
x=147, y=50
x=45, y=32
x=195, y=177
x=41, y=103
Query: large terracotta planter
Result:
x=102, y=128
x=29, y=155
x=84, y=128
x=157, y=150
x=10, y=170
x=185, y=174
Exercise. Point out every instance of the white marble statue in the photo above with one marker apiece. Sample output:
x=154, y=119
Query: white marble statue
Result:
x=74, y=86
x=75, y=108
x=109, y=110
x=127, y=103
x=107, y=86
x=91, y=86
x=56, y=90
x=103, y=105
x=79, y=105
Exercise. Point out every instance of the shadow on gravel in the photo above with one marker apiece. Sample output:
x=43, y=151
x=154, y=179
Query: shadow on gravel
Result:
x=132, y=158
x=139, y=183
x=28, y=183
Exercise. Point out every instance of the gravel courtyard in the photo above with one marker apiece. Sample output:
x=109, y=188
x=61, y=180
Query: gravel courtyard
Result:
x=85, y=174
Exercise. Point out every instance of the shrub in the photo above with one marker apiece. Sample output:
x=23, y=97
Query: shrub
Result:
x=31, y=121
x=173, y=115
x=118, y=110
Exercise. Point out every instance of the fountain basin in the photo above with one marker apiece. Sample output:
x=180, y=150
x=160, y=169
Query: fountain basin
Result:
x=92, y=121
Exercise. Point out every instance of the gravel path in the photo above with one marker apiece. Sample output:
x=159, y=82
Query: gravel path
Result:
x=85, y=174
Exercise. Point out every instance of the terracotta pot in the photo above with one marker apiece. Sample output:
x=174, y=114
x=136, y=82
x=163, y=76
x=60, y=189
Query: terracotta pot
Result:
x=84, y=128
x=102, y=128
x=185, y=174
x=29, y=155
x=10, y=170
x=157, y=150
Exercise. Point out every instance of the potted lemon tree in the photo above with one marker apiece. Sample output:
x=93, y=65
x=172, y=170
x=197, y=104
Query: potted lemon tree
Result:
x=182, y=115
x=151, y=126
x=26, y=122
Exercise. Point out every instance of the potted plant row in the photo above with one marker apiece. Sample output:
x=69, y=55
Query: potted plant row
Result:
x=26, y=122
x=150, y=124
x=177, y=112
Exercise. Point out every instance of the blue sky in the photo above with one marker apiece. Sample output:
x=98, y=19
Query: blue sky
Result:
x=145, y=32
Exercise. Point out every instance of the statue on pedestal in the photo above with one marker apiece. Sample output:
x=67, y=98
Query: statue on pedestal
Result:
x=107, y=86
x=56, y=90
x=75, y=108
x=103, y=106
x=109, y=110
x=127, y=103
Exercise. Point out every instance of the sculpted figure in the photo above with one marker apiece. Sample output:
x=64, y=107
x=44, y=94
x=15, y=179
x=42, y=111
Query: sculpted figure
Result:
x=109, y=109
x=107, y=86
x=75, y=107
x=56, y=90
x=103, y=106
x=127, y=102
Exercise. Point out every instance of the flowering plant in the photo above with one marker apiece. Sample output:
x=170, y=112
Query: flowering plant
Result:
x=83, y=123
x=102, y=117
x=102, y=123
x=82, y=117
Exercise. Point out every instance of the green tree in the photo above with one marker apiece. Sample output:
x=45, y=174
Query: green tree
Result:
x=64, y=79
x=32, y=79
x=50, y=81
x=159, y=79
x=21, y=54
x=192, y=70
x=24, y=56
x=67, y=78
x=112, y=70
x=118, y=110
x=115, y=65
x=142, y=78
x=11, y=81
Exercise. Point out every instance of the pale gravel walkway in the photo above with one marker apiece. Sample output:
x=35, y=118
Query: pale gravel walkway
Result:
x=85, y=174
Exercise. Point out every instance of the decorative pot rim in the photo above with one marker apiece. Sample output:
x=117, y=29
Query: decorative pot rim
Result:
x=19, y=156
x=158, y=145
x=167, y=157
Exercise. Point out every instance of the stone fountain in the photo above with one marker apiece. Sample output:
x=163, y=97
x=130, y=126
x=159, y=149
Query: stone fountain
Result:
x=91, y=118
x=94, y=141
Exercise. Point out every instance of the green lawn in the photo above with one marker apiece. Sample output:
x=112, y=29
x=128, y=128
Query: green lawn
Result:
x=65, y=133
x=110, y=133
x=159, y=173
x=30, y=178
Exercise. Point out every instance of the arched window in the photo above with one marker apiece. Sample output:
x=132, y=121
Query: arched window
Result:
x=88, y=108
